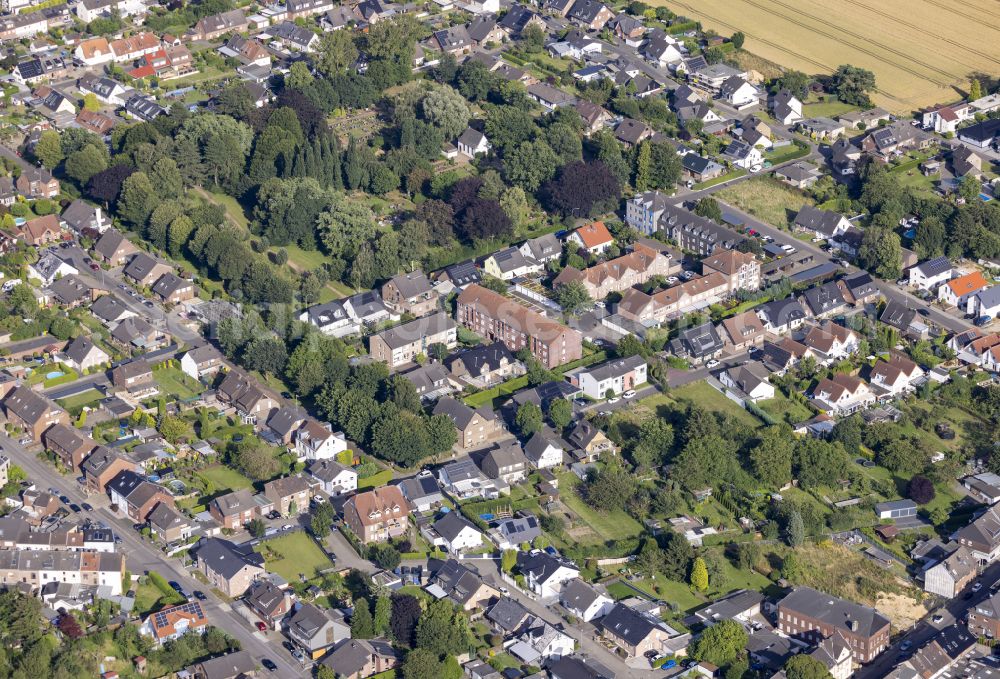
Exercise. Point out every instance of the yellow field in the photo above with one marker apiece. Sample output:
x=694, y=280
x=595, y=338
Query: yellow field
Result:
x=921, y=51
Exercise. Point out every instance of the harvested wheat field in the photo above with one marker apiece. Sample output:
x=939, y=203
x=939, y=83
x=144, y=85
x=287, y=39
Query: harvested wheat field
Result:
x=921, y=51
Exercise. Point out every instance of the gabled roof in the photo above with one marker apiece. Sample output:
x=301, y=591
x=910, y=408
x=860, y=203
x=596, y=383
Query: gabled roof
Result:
x=507, y=614
x=815, y=219
x=451, y=525
x=629, y=625
x=594, y=234
x=226, y=558
x=542, y=565
x=967, y=284
x=835, y=612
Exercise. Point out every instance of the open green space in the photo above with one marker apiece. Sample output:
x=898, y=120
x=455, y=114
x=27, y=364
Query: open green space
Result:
x=224, y=478
x=826, y=109
x=38, y=375
x=177, y=384
x=294, y=555
x=704, y=396
x=784, y=409
x=734, y=174
x=766, y=198
x=380, y=479
x=74, y=404
x=612, y=525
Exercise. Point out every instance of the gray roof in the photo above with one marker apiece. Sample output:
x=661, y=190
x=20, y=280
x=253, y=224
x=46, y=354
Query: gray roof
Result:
x=459, y=413
x=542, y=565
x=630, y=625
x=464, y=273
x=836, y=613
x=824, y=298
x=265, y=596
x=782, y=311
x=79, y=214
x=226, y=558
x=226, y=666
x=578, y=667
x=701, y=340
x=507, y=614
x=539, y=442
x=898, y=315
x=351, y=655
x=140, y=266
x=407, y=333
x=477, y=359
x=578, y=595
x=70, y=289
x=509, y=259
x=326, y=470
x=164, y=516
x=131, y=329
x=615, y=367
x=80, y=348
x=544, y=246
x=520, y=529
x=730, y=606
x=284, y=420
x=419, y=487
x=990, y=297
x=451, y=524
x=815, y=219
x=28, y=405
x=459, y=582
x=168, y=284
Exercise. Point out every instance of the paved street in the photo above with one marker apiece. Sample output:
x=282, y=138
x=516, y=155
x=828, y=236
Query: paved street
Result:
x=141, y=556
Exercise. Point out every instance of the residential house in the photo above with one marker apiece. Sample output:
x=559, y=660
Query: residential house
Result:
x=507, y=462
x=651, y=212
x=545, y=574
x=831, y=342
x=741, y=269
x=136, y=497
x=229, y=567
x=228, y=666
x=316, y=630
x=496, y=318
x=616, y=376
x=516, y=531
x=173, y=622
x=48, y=268
x=315, y=440
x=632, y=132
x=786, y=107
x=957, y=291
x=550, y=98
x=738, y=93
x=590, y=14
x=700, y=169
x=930, y=273
x=750, y=381
x=455, y=533
x=588, y=443
x=202, y=362
x=83, y=355
x=742, y=605
x=895, y=377
x=801, y=175
x=663, y=51
x=172, y=289
x=821, y=128
x=813, y=616
x=430, y=381
x=984, y=303
x=400, y=346
x=824, y=300
x=621, y=273
x=143, y=270
x=455, y=41
x=169, y=525
x=82, y=217
x=540, y=642
x=519, y=17
x=332, y=318
x=243, y=393
x=742, y=154
x=984, y=618
x=842, y=394
x=410, y=293
x=743, y=331
x=542, y=249
x=421, y=491
x=74, y=291
x=103, y=465
x=333, y=477
x=463, y=480
x=472, y=143
x=135, y=377
x=628, y=29
x=820, y=223
x=289, y=495
x=886, y=142
x=211, y=27
x=951, y=575
x=360, y=658
x=711, y=77
x=307, y=8
x=106, y=90
x=285, y=421
x=782, y=315
x=113, y=248
x=135, y=46
x=235, y=509
x=585, y=601
x=484, y=365
x=37, y=182
x=982, y=536
x=94, y=52
x=460, y=584
x=859, y=289
x=544, y=450
x=377, y=515
x=68, y=444
x=699, y=344
x=511, y=263
x=898, y=315
x=593, y=238
x=634, y=633
x=507, y=616
x=40, y=230
x=33, y=412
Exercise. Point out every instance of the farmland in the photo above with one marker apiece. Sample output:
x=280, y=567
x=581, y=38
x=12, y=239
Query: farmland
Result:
x=919, y=50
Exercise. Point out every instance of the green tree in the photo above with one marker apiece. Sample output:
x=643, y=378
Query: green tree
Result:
x=771, y=458
x=446, y=109
x=508, y=559
x=383, y=614
x=795, y=532
x=721, y=643
x=560, y=412
x=90, y=102
x=441, y=629
x=975, y=89
x=336, y=53
x=881, y=252
x=969, y=187
x=533, y=38
x=528, y=419
x=738, y=39
x=699, y=575
x=299, y=77
x=514, y=204
x=656, y=438
x=573, y=296
x=256, y=527
x=421, y=664
x=48, y=149
x=804, y=666
x=138, y=199
x=530, y=165
x=853, y=84
x=83, y=164
x=362, y=624
x=709, y=207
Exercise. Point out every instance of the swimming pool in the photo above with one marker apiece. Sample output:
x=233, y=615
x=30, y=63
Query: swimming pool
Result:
x=985, y=198
x=54, y=374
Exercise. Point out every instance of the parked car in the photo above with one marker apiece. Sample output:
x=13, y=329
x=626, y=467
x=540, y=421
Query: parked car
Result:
x=613, y=399
x=87, y=507
x=199, y=595
x=268, y=664
x=629, y=394
x=261, y=627
x=713, y=363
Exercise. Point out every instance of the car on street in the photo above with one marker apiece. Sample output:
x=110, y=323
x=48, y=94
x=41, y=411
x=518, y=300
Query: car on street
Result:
x=629, y=394
x=269, y=664
x=713, y=363
x=287, y=645
x=977, y=586
x=261, y=627
x=273, y=515
x=906, y=645
x=75, y=507
x=581, y=402
x=287, y=526
x=175, y=585
x=87, y=507
x=599, y=304
x=94, y=267
x=298, y=655
x=937, y=619
x=613, y=399
x=199, y=595
x=64, y=499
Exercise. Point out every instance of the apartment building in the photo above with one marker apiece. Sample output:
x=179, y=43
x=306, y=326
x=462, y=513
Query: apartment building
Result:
x=813, y=616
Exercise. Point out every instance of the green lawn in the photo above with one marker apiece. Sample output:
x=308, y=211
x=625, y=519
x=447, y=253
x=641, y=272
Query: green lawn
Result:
x=784, y=409
x=611, y=525
x=786, y=153
x=296, y=554
x=708, y=398
x=827, y=109
x=224, y=478
x=75, y=404
x=38, y=375
x=739, y=172
x=380, y=479
x=175, y=383
x=303, y=260
x=148, y=597
x=233, y=208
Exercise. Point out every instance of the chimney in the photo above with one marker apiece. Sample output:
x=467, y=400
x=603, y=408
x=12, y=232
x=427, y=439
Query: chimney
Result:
x=852, y=625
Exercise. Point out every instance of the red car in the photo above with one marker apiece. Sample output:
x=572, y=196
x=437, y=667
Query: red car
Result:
x=261, y=626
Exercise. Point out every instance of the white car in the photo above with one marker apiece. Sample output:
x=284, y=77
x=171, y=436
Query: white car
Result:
x=787, y=248
x=629, y=394
x=613, y=399
x=287, y=526
x=712, y=363
x=673, y=279
x=599, y=304
x=976, y=587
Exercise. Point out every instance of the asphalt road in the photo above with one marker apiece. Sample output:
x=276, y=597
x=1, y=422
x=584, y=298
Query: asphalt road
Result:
x=141, y=556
